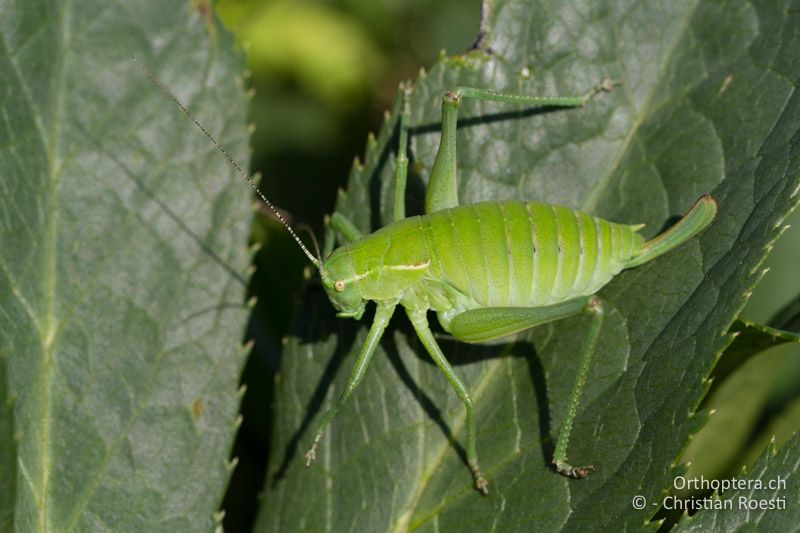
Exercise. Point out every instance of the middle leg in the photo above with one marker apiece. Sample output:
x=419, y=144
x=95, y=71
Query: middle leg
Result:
x=419, y=320
x=383, y=313
x=401, y=160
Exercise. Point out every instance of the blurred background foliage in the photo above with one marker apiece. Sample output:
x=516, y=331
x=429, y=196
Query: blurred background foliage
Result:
x=322, y=74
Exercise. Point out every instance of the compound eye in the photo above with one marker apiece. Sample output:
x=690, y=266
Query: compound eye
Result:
x=339, y=286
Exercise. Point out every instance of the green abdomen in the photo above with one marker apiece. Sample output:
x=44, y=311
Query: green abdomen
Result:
x=525, y=253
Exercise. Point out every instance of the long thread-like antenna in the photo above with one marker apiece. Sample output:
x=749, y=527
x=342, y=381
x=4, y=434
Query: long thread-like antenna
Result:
x=230, y=159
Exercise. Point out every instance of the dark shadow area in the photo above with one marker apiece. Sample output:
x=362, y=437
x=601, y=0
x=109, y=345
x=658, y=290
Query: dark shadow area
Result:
x=539, y=380
x=375, y=184
x=519, y=349
x=456, y=354
x=8, y=451
x=252, y=445
x=787, y=318
x=424, y=400
x=503, y=116
x=415, y=190
x=309, y=333
x=269, y=321
x=671, y=221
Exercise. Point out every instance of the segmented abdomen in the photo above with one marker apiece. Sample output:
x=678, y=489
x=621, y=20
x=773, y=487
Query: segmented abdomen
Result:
x=526, y=253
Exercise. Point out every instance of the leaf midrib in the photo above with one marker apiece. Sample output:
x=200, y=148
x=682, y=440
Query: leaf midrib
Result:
x=48, y=332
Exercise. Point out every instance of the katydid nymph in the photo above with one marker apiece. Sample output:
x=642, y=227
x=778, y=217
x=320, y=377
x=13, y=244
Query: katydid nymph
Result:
x=487, y=270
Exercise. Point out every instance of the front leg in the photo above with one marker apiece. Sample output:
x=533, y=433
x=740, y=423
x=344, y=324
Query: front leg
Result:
x=419, y=320
x=382, y=315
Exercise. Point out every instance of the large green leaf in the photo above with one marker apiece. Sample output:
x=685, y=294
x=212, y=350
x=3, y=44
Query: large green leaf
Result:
x=708, y=105
x=123, y=237
x=753, y=399
x=765, y=500
x=739, y=406
x=750, y=341
x=777, y=296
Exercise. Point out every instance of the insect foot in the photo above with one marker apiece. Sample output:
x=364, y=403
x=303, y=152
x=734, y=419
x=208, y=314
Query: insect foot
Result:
x=574, y=472
x=481, y=485
x=311, y=454
x=606, y=85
